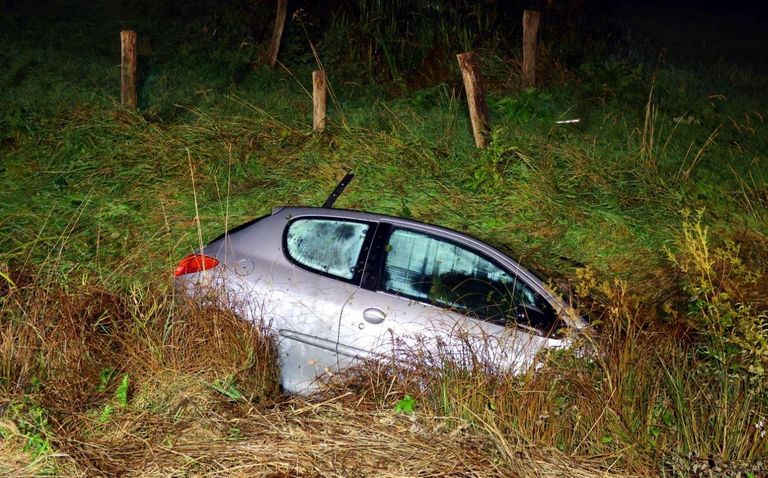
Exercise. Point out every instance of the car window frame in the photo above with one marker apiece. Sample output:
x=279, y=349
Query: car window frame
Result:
x=239, y=228
x=361, y=258
x=373, y=273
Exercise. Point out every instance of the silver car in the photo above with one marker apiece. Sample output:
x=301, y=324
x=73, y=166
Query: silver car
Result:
x=337, y=286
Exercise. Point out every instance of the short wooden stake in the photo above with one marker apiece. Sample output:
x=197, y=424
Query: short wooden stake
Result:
x=277, y=34
x=319, y=100
x=478, y=110
x=531, y=20
x=128, y=68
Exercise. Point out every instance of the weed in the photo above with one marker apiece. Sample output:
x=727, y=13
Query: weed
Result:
x=638, y=390
x=407, y=404
x=121, y=394
x=528, y=106
x=62, y=351
x=607, y=80
x=718, y=282
x=227, y=388
x=7, y=279
x=399, y=37
x=30, y=420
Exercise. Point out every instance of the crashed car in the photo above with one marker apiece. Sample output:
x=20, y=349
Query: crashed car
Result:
x=340, y=286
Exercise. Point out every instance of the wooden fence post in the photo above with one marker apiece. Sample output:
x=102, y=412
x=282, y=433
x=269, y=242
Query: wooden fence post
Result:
x=478, y=110
x=531, y=20
x=128, y=68
x=277, y=34
x=319, y=100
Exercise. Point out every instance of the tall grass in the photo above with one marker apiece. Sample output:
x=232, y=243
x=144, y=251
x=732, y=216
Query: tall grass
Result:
x=396, y=39
x=657, y=387
x=81, y=367
x=644, y=394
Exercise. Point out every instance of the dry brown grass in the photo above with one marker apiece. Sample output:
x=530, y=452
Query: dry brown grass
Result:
x=64, y=353
x=60, y=416
x=332, y=438
x=303, y=438
x=640, y=397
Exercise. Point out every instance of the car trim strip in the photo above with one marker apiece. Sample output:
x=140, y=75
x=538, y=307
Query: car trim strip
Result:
x=308, y=339
x=346, y=350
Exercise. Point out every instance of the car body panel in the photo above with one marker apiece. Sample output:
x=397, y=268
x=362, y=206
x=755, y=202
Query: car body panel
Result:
x=325, y=324
x=302, y=307
x=406, y=327
x=413, y=330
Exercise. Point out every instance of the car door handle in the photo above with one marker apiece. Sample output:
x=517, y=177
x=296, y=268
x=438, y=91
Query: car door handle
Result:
x=373, y=315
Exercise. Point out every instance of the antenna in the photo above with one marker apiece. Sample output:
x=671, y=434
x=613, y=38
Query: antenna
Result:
x=339, y=189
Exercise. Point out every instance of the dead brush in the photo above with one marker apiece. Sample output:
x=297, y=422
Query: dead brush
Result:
x=96, y=365
x=65, y=337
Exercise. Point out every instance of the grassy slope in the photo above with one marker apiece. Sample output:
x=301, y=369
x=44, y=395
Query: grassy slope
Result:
x=594, y=195
x=600, y=194
x=87, y=189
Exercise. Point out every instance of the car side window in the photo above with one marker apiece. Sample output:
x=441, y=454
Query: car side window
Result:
x=441, y=273
x=328, y=246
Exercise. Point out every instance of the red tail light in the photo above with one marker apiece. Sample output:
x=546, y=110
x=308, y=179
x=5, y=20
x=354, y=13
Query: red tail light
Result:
x=195, y=263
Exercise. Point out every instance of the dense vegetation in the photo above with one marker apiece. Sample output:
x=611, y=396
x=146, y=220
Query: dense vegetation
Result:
x=651, y=213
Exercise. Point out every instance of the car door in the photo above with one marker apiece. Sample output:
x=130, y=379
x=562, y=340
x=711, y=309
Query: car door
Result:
x=324, y=259
x=428, y=296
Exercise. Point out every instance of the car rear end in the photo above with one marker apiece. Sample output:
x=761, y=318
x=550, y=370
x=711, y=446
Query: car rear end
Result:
x=211, y=271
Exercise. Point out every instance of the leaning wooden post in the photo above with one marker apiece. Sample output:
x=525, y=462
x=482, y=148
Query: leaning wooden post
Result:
x=478, y=110
x=319, y=100
x=277, y=34
x=531, y=20
x=128, y=68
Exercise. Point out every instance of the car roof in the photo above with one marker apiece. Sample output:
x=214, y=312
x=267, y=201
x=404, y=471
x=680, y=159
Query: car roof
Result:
x=370, y=216
x=292, y=212
x=297, y=211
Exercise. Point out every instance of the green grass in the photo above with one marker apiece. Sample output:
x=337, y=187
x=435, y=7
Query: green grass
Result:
x=115, y=185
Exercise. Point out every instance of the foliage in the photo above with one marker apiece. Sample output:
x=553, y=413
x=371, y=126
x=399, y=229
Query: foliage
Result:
x=636, y=392
x=725, y=303
x=529, y=105
x=60, y=353
x=227, y=388
x=407, y=404
x=606, y=80
x=399, y=37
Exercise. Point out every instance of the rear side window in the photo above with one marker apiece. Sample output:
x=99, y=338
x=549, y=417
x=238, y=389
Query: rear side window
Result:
x=327, y=246
x=445, y=274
